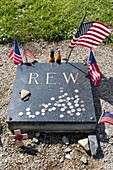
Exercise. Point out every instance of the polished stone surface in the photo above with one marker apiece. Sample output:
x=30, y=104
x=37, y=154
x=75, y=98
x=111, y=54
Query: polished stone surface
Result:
x=60, y=98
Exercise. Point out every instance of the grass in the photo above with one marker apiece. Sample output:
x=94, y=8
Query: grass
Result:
x=52, y=20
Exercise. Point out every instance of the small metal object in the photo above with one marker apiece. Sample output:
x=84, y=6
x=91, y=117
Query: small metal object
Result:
x=77, y=113
x=20, y=114
x=76, y=90
x=37, y=113
x=79, y=109
x=61, y=116
x=52, y=98
x=28, y=109
x=28, y=113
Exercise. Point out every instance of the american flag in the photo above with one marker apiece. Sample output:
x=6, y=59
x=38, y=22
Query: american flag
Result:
x=15, y=55
x=94, y=71
x=106, y=117
x=28, y=53
x=90, y=34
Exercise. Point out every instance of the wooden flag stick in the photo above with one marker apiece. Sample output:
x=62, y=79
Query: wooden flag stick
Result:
x=83, y=18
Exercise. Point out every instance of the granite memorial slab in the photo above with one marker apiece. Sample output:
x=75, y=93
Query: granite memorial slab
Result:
x=60, y=98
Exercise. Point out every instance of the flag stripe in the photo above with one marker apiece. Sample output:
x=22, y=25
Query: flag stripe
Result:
x=96, y=31
x=94, y=71
x=107, y=117
x=15, y=55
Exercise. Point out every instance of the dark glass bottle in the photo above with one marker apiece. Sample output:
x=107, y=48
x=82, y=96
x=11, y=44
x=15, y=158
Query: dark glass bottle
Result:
x=58, y=57
x=51, y=58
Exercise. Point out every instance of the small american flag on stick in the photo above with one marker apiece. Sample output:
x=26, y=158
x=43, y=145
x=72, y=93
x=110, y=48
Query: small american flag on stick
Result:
x=94, y=71
x=90, y=34
x=15, y=55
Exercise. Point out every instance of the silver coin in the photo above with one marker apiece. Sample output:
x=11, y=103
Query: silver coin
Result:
x=28, y=113
x=61, y=100
x=61, y=116
x=76, y=105
x=81, y=101
x=50, y=110
x=28, y=109
x=72, y=110
x=20, y=114
x=32, y=116
x=46, y=106
x=75, y=101
x=65, y=94
x=42, y=113
x=61, y=91
x=62, y=109
x=76, y=96
x=68, y=98
x=37, y=113
x=53, y=108
x=69, y=103
x=83, y=109
x=71, y=107
x=78, y=114
x=79, y=109
x=43, y=110
x=76, y=90
x=63, y=104
x=52, y=98
x=68, y=112
x=59, y=105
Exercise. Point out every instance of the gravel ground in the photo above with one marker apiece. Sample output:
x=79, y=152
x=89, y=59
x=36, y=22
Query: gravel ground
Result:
x=51, y=153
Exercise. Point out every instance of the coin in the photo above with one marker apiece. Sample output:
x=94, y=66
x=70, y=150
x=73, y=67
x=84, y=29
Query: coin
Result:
x=61, y=116
x=52, y=98
x=79, y=109
x=62, y=109
x=20, y=114
x=78, y=114
x=76, y=90
x=28, y=109
x=28, y=113
x=37, y=113
x=76, y=105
